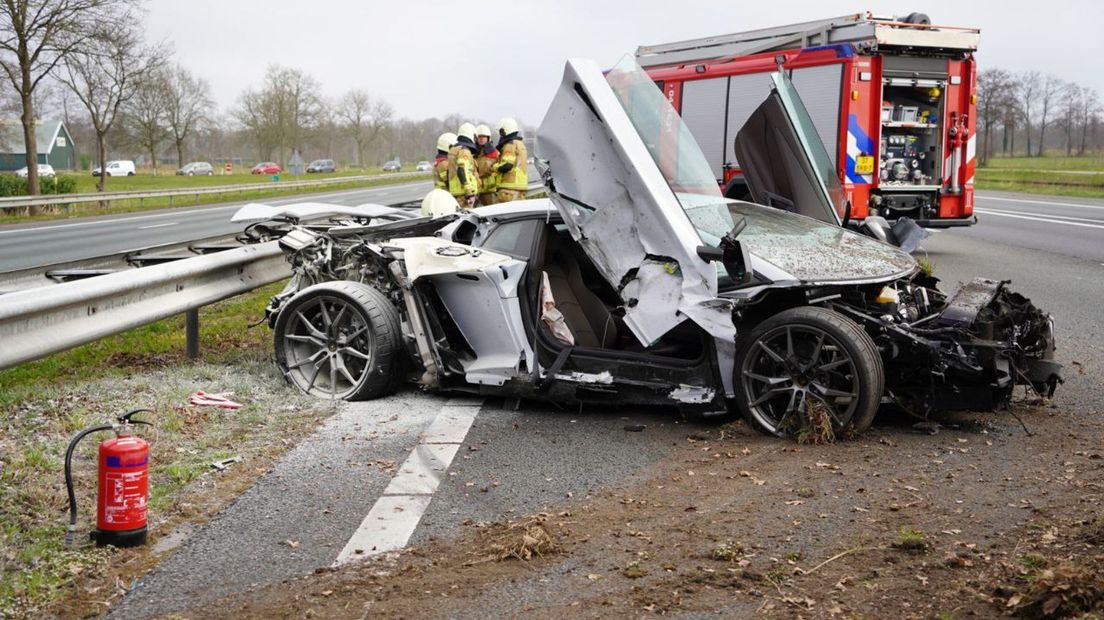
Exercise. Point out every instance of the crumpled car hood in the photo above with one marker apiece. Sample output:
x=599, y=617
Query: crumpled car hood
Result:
x=812, y=252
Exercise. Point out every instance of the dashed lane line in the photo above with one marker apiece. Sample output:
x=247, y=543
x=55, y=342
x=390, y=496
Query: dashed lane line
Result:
x=392, y=520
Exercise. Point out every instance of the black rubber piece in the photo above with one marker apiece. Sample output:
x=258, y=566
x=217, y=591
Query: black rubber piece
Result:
x=386, y=372
x=859, y=345
x=122, y=538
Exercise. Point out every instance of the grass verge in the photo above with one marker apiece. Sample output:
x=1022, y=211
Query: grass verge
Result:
x=231, y=195
x=1048, y=163
x=1055, y=183
x=47, y=401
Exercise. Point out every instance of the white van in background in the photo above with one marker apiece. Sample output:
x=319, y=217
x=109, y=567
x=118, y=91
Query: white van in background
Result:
x=117, y=168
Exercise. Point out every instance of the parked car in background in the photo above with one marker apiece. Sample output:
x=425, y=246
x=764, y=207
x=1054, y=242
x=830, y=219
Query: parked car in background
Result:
x=392, y=166
x=196, y=168
x=322, y=165
x=117, y=168
x=44, y=170
x=266, y=167
x=424, y=166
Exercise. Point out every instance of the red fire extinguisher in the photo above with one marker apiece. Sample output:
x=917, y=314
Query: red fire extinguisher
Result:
x=123, y=490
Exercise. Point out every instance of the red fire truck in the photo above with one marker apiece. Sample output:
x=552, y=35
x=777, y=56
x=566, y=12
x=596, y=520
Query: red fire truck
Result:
x=892, y=99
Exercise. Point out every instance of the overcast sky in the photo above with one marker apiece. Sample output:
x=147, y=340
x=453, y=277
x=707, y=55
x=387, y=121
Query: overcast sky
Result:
x=494, y=58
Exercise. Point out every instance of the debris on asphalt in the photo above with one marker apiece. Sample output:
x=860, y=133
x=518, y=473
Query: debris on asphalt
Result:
x=635, y=428
x=203, y=399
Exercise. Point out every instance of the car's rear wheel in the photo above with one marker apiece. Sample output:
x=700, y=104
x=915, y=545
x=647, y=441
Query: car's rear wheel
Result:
x=805, y=369
x=340, y=340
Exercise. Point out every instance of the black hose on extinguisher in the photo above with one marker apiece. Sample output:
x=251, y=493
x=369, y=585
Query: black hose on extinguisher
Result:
x=70, y=533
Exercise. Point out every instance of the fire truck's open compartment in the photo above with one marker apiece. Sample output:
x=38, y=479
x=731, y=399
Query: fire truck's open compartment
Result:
x=910, y=141
x=910, y=170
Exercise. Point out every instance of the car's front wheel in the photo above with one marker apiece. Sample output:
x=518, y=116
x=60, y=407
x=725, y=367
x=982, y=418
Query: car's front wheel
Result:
x=808, y=369
x=340, y=340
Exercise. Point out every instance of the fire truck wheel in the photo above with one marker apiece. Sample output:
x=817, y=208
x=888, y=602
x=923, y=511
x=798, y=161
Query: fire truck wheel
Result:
x=340, y=340
x=808, y=370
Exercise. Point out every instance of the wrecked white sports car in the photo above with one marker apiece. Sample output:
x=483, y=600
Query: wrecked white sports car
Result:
x=636, y=282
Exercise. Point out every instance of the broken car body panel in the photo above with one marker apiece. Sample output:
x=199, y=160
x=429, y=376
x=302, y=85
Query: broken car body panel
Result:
x=619, y=206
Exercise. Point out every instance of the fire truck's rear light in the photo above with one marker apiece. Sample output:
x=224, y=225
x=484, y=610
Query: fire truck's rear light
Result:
x=973, y=99
x=864, y=76
x=854, y=95
x=956, y=79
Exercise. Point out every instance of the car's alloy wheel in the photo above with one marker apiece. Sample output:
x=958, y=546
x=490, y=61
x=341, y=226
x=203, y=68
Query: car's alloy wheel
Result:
x=806, y=368
x=339, y=340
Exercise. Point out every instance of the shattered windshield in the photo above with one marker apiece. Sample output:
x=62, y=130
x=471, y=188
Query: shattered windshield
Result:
x=673, y=148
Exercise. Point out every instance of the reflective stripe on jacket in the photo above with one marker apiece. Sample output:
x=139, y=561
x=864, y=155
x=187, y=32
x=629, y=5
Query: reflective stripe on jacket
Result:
x=517, y=177
x=462, y=164
x=440, y=172
x=484, y=165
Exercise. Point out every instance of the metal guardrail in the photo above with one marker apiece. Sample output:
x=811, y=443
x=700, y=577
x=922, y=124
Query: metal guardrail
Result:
x=19, y=202
x=37, y=322
x=41, y=321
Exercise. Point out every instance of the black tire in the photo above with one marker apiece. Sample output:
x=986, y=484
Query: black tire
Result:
x=779, y=372
x=340, y=340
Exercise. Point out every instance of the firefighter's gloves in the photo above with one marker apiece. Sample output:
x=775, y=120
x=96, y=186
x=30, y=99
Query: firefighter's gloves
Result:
x=504, y=168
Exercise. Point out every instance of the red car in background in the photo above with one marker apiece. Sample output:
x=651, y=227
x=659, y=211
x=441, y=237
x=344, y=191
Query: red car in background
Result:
x=266, y=167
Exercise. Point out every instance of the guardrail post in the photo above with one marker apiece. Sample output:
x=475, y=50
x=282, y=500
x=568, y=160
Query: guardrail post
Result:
x=191, y=333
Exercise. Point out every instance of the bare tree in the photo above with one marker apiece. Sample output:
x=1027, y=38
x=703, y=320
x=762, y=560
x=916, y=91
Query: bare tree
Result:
x=995, y=96
x=279, y=115
x=1050, y=90
x=1090, y=109
x=187, y=107
x=104, y=76
x=1027, y=101
x=145, y=114
x=1071, y=105
x=35, y=37
x=365, y=118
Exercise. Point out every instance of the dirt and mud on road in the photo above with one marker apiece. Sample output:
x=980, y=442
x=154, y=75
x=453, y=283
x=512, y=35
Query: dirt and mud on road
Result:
x=978, y=519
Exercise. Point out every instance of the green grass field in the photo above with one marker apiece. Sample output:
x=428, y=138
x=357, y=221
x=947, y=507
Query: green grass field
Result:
x=1050, y=162
x=1057, y=175
x=45, y=402
x=167, y=179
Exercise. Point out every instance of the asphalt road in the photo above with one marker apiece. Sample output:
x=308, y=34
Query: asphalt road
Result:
x=512, y=463
x=1067, y=226
x=24, y=246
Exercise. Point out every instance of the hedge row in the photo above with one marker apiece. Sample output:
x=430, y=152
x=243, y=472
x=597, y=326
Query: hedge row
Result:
x=12, y=185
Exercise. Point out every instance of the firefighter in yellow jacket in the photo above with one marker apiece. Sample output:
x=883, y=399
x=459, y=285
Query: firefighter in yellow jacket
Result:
x=440, y=163
x=484, y=164
x=463, y=178
x=512, y=167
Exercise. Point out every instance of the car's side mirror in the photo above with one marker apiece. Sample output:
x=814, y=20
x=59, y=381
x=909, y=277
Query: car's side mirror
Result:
x=731, y=253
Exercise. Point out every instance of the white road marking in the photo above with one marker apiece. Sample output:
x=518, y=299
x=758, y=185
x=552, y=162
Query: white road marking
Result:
x=392, y=520
x=1037, y=219
x=1041, y=202
x=1051, y=216
x=158, y=225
